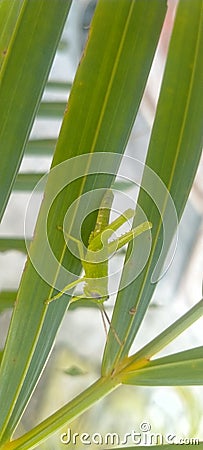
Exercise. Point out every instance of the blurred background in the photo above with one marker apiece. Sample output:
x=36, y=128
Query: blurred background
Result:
x=81, y=338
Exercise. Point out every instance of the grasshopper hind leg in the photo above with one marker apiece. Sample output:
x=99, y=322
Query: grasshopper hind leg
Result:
x=105, y=318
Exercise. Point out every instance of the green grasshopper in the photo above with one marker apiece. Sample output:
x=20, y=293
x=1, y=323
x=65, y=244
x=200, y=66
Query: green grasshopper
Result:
x=96, y=272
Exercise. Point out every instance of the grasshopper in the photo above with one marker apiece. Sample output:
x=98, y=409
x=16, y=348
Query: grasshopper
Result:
x=96, y=272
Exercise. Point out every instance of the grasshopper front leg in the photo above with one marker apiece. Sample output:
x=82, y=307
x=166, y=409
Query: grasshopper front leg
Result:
x=125, y=238
x=129, y=236
x=95, y=242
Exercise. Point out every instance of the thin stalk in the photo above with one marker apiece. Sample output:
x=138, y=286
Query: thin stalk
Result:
x=163, y=339
x=64, y=415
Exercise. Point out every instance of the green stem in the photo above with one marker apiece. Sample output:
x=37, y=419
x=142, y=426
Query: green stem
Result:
x=168, y=335
x=64, y=415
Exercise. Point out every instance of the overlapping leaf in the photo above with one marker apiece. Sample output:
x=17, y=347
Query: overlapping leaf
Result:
x=97, y=119
x=174, y=152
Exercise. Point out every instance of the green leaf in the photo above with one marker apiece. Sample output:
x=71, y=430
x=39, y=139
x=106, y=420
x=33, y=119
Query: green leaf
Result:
x=174, y=152
x=40, y=147
x=51, y=109
x=59, y=85
x=104, y=126
x=25, y=68
x=168, y=335
x=64, y=415
x=27, y=181
x=74, y=371
x=142, y=359
x=7, y=299
x=18, y=244
x=1, y=355
x=180, y=369
x=11, y=12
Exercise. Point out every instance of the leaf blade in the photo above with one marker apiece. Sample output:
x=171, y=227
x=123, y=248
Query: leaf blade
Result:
x=179, y=369
x=28, y=77
x=170, y=156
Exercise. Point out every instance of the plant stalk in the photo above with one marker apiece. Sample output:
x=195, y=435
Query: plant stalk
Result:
x=64, y=415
